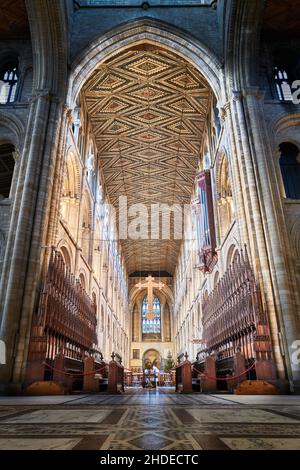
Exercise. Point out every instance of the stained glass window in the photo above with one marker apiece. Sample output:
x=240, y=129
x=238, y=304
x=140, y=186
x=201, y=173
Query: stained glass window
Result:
x=151, y=325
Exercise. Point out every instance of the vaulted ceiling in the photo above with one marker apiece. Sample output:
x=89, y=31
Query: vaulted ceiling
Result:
x=148, y=109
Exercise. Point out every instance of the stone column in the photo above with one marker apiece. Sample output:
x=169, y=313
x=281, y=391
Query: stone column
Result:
x=262, y=223
x=283, y=284
x=29, y=222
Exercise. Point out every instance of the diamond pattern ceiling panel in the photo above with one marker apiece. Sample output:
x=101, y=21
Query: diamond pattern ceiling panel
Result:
x=148, y=108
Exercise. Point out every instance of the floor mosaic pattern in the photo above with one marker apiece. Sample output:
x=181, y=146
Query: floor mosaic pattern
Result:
x=151, y=420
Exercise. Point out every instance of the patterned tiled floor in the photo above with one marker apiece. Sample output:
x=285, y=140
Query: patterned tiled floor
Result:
x=151, y=420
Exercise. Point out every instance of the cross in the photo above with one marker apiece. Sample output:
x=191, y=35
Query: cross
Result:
x=150, y=284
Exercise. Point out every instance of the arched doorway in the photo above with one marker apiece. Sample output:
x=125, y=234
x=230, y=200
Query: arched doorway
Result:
x=151, y=358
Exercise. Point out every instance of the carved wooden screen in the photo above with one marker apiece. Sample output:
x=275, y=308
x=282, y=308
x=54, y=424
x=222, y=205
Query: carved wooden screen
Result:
x=233, y=317
x=66, y=321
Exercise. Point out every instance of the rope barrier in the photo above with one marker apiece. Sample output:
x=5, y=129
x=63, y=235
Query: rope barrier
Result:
x=229, y=378
x=76, y=374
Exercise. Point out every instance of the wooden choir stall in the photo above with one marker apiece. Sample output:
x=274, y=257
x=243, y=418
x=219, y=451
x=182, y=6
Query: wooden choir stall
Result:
x=236, y=337
x=183, y=374
x=63, y=343
x=116, y=374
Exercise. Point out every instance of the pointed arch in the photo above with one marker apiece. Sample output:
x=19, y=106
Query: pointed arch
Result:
x=144, y=30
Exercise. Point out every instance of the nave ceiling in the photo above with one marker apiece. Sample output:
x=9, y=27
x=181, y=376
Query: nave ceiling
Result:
x=148, y=109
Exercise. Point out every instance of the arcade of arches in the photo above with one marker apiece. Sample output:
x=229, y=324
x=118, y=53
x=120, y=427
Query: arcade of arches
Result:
x=149, y=191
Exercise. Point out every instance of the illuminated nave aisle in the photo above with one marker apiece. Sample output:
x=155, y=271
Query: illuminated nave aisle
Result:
x=151, y=420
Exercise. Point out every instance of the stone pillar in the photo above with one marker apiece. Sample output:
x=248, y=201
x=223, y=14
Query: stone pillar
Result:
x=254, y=186
x=30, y=213
x=28, y=222
x=282, y=284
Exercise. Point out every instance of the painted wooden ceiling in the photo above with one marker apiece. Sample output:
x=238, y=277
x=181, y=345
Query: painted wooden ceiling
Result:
x=148, y=109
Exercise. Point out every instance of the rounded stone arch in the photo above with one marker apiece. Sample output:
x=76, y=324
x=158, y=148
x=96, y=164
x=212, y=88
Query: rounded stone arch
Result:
x=216, y=278
x=64, y=246
x=284, y=128
x=232, y=253
x=82, y=280
x=49, y=33
x=66, y=256
x=243, y=43
x=72, y=177
x=144, y=30
x=12, y=130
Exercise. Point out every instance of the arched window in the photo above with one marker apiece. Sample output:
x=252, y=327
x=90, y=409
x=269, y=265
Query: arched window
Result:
x=82, y=280
x=290, y=169
x=282, y=84
x=216, y=278
x=8, y=83
x=66, y=256
x=151, y=322
x=7, y=164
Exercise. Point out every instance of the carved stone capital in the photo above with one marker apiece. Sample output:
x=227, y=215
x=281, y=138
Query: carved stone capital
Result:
x=69, y=114
x=224, y=111
x=45, y=94
x=236, y=95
